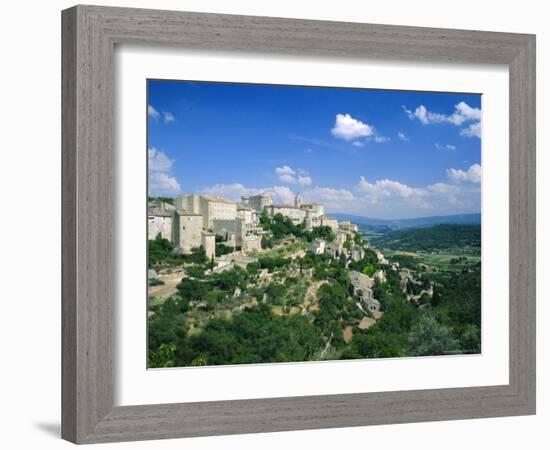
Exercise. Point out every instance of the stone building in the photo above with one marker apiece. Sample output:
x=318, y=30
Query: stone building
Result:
x=317, y=246
x=334, y=249
x=232, y=230
x=357, y=252
x=311, y=213
x=208, y=242
x=380, y=275
x=362, y=287
x=316, y=209
x=252, y=243
x=331, y=222
x=296, y=215
x=211, y=207
x=216, y=208
x=341, y=237
x=248, y=214
x=188, y=228
x=258, y=202
x=159, y=221
x=188, y=202
x=346, y=225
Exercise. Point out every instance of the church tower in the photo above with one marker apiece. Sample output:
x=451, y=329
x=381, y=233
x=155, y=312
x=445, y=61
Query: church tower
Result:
x=298, y=201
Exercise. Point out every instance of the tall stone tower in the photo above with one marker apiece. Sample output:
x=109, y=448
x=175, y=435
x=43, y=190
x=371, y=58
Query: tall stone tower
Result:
x=208, y=242
x=298, y=201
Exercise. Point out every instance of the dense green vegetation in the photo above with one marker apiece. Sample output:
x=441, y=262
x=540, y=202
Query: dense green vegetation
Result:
x=281, y=226
x=449, y=323
x=438, y=237
x=161, y=254
x=259, y=314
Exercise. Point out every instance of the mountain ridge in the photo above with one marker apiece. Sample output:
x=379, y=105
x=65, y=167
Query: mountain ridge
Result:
x=428, y=221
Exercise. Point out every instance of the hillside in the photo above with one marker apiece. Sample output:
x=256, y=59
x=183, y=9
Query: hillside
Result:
x=438, y=237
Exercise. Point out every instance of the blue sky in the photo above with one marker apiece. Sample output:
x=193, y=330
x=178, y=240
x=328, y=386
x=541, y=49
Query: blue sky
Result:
x=377, y=153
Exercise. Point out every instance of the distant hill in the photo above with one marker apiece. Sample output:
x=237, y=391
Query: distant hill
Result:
x=420, y=222
x=438, y=237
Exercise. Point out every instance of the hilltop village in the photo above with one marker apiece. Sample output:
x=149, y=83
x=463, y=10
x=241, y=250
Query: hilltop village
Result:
x=253, y=281
x=201, y=221
x=194, y=220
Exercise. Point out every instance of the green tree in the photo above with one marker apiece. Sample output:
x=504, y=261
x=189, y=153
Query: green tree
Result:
x=428, y=337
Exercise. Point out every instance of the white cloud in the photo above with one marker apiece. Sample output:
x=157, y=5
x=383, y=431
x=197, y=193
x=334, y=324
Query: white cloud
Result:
x=304, y=180
x=402, y=136
x=473, y=130
x=472, y=175
x=383, y=198
x=285, y=178
x=161, y=181
x=324, y=194
x=281, y=194
x=232, y=191
x=357, y=144
x=462, y=114
x=443, y=188
x=348, y=128
x=386, y=188
x=423, y=115
x=168, y=117
x=158, y=161
x=152, y=112
x=381, y=139
x=287, y=174
x=285, y=170
x=444, y=147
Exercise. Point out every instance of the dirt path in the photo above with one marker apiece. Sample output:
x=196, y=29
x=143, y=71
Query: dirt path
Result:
x=167, y=289
x=310, y=299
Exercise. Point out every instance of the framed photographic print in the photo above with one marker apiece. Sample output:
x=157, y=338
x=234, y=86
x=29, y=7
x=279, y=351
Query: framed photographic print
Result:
x=268, y=222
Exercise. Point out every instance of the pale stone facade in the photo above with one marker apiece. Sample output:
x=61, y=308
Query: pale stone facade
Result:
x=317, y=246
x=341, y=237
x=189, y=203
x=380, y=275
x=258, y=202
x=346, y=225
x=357, y=252
x=331, y=222
x=211, y=207
x=249, y=214
x=362, y=287
x=188, y=230
x=208, y=242
x=334, y=249
x=316, y=209
x=216, y=208
x=193, y=218
x=159, y=221
x=297, y=215
x=252, y=243
x=234, y=231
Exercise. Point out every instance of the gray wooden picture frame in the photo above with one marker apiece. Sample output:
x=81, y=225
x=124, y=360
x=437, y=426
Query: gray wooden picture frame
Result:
x=89, y=36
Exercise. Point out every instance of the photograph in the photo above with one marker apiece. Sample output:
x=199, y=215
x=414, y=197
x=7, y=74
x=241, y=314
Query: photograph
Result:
x=290, y=224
